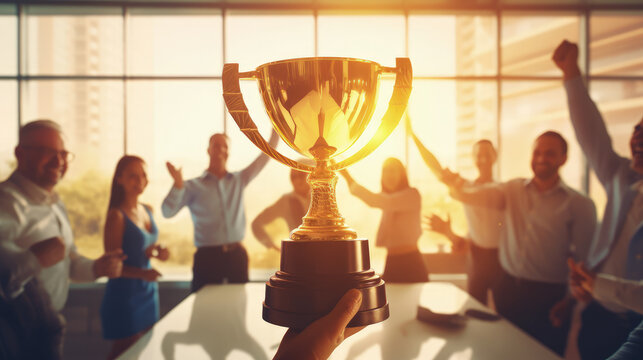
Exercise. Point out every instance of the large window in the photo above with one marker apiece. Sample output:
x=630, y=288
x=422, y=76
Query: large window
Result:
x=146, y=80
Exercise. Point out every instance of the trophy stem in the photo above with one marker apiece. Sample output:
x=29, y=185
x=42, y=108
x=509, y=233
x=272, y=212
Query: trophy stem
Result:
x=323, y=220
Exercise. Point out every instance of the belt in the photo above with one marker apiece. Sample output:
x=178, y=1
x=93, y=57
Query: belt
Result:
x=226, y=247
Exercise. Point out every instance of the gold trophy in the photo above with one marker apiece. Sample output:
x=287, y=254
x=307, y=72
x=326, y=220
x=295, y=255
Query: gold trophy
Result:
x=320, y=107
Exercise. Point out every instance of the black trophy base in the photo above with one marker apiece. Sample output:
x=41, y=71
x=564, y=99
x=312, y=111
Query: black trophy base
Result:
x=314, y=275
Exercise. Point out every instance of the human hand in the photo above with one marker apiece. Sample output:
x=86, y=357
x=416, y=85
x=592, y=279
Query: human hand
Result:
x=176, y=174
x=320, y=338
x=440, y=226
x=581, y=281
x=110, y=264
x=561, y=312
x=157, y=251
x=150, y=275
x=566, y=59
x=49, y=252
x=451, y=179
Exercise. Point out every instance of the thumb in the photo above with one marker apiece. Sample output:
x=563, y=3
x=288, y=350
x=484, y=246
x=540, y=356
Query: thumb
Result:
x=344, y=311
x=571, y=264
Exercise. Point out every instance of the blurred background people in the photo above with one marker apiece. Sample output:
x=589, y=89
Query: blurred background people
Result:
x=618, y=248
x=215, y=200
x=291, y=207
x=34, y=218
x=485, y=224
x=546, y=221
x=400, y=228
x=131, y=303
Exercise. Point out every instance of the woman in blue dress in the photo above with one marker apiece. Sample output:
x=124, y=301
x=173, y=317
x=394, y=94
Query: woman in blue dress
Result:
x=131, y=304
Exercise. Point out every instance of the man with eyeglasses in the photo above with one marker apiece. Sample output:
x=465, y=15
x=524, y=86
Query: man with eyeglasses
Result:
x=34, y=218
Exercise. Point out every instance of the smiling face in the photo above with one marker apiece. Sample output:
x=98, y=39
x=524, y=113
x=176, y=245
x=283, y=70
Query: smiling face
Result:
x=42, y=157
x=133, y=178
x=636, y=145
x=218, y=150
x=547, y=157
x=484, y=156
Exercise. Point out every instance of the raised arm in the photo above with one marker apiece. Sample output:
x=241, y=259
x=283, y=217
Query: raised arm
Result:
x=400, y=200
x=587, y=120
x=429, y=159
x=179, y=195
x=488, y=195
x=252, y=170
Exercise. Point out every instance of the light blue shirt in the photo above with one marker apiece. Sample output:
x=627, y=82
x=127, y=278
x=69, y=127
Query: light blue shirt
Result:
x=613, y=171
x=216, y=204
x=543, y=228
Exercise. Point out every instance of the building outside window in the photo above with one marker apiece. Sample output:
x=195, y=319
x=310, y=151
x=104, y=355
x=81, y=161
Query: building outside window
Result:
x=147, y=81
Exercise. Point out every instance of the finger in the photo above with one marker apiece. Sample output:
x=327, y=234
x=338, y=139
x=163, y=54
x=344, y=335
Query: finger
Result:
x=570, y=263
x=352, y=330
x=291, y=333
x=345, y=309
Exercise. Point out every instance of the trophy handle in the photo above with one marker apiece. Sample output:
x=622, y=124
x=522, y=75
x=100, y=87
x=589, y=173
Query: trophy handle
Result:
x=237, y=108
x=396, y=108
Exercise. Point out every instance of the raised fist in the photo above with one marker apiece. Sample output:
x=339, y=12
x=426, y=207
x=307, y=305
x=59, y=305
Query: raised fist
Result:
x=566, y=58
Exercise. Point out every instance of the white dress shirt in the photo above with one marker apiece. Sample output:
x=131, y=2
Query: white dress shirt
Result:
x=543, y=229
x=30, y=214
x=626, y=294
x=485, y=224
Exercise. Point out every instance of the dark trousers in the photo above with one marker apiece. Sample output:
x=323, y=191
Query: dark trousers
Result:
x=633, y=347
x=214, y=264
x=603, y=332
x=527, y=304
x=30, y=329
x=483, y=271
x=405, y=268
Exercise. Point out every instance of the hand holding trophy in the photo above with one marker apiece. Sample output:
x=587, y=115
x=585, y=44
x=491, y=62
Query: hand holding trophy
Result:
x=320, y=107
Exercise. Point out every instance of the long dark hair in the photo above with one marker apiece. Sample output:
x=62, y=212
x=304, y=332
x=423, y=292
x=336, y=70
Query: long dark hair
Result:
x=117, y=194
x=396, y=165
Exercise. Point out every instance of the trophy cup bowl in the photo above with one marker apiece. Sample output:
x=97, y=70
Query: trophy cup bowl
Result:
x=320, y=107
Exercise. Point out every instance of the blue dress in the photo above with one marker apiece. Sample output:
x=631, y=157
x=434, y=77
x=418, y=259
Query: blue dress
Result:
x=131, y=305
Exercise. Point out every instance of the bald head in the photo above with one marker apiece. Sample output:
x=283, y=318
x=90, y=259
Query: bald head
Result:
x=41, y=154
x=29, y=130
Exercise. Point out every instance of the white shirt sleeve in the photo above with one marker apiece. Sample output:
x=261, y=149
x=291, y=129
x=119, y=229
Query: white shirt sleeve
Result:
x=17, y=265
x=627, y=293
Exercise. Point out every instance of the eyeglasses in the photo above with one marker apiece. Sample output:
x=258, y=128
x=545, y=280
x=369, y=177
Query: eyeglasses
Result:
x=50, y=153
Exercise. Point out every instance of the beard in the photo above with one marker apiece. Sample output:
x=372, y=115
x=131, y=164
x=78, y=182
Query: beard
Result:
x=544, y=172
